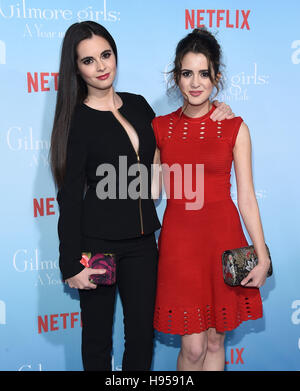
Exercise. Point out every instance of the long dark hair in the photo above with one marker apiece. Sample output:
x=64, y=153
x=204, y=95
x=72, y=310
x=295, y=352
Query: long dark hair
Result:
x=198, y=41
x=72, y=90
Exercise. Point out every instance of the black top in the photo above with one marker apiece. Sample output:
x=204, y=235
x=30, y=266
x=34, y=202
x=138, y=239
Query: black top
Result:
x=96, y=138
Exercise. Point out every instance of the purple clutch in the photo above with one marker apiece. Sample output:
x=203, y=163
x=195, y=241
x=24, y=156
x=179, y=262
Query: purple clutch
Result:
x=101, y=261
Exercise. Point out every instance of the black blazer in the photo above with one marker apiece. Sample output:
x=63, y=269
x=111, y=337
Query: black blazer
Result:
x=97, y=138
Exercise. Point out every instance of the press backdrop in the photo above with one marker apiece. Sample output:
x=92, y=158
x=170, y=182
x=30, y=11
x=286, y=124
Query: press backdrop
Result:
x=39, y=316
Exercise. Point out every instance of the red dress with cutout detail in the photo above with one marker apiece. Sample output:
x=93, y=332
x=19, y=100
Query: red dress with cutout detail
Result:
x=191, y=293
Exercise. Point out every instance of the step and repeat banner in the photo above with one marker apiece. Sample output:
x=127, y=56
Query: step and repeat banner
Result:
x=40, y=326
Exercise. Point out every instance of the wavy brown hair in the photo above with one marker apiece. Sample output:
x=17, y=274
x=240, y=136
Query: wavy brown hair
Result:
x=198, y=41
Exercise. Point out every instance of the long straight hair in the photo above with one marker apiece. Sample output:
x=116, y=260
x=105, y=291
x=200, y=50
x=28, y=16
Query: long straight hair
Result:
x=72, y=90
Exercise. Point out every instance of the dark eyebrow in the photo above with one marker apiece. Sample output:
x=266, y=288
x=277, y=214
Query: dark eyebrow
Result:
x=189, y=70
x=88, y=57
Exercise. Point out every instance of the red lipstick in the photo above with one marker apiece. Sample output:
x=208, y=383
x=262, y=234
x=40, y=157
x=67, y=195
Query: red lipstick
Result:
x=103, y=77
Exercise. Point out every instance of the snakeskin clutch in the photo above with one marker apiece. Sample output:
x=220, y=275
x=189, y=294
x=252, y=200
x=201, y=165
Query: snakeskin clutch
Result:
x=237, y=264
x=101, y=261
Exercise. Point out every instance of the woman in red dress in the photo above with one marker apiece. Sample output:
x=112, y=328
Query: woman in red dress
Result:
x=199, y=225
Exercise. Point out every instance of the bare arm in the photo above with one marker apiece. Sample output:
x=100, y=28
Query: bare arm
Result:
x=248, y=206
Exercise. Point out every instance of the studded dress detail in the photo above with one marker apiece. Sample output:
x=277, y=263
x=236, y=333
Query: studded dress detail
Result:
x=191, y=293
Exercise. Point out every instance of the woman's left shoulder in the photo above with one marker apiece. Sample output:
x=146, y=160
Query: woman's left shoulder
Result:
x=131, y=97
x=235, y=121
x=138, y=104
x=230, y=126
x=233, y=127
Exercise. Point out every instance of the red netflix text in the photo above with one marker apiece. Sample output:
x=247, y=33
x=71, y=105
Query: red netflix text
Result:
x=217, y=18
x=56, y=322
x=40, y=81
x=236, y=356
x=43, y=206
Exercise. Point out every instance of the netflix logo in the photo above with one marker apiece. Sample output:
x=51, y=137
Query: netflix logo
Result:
x=55, y=322
x=237, y=19
x=37, y=82
x=43, y=206
x=235, y=356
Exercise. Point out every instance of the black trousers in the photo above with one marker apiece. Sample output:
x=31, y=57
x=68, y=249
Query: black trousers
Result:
x=136, y=282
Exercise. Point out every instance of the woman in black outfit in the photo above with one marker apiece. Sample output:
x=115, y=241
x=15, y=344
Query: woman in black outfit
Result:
x=96, y=129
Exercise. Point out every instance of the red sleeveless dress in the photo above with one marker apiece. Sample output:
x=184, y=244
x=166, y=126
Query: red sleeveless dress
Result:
x=191, y=293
